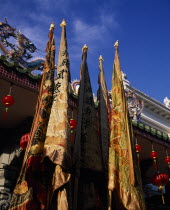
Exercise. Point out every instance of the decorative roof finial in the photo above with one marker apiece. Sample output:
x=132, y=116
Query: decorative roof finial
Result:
x=85, y=48
x=116, y=44
x=101, y=58
x=63, y=23
x=5, y=20
x=52, y=26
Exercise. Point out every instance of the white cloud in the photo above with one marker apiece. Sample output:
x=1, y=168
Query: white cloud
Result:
x=98, y=34
x=41, y=18
x=86, y=32
x=95, y=35
x=51, y=5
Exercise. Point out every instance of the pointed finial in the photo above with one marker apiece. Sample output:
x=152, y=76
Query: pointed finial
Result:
x=52, y=26
x=101, y=58
x=85, y=48
x=5, y=20
x=63, y=23
x=116, y=44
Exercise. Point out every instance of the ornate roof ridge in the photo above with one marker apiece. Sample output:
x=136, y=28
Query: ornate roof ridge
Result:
x=155, y=132
x=18, y=68
x=150, y=99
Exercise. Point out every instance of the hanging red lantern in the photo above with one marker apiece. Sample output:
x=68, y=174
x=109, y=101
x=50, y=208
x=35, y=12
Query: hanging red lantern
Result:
x=154, y=156
x=24, y=140
x=8, y=101
x=167, y=160
x=73, y=124
x=160, y=180
x=138, y=150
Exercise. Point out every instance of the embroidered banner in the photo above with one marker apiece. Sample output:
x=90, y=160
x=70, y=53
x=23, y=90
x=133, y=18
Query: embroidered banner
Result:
x=30, y=193
x=57, y=143
x=87, y=152
x=122, y=160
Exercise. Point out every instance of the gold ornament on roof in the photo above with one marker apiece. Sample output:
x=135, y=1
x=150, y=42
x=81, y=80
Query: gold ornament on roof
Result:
x=116, y=44
x=52, y=26
x=85, y=48
x=101, y=58
x=63, y=23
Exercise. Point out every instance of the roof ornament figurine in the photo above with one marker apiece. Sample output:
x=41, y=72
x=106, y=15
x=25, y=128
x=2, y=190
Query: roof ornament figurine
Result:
x=85, y=48
x=19, y=54
x=167, y=102
x=135, y=105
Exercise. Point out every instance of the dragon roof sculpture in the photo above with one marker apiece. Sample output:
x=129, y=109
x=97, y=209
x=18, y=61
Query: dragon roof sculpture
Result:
x=19, y=54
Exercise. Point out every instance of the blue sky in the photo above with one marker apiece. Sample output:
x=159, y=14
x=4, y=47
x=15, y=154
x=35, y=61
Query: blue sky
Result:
x=141, y=26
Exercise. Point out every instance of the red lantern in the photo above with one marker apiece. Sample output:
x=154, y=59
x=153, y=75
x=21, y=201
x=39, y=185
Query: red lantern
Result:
x=160, y=180
x=73, y=123
x=8, y=101
x=138, y=150
x=154, y=156
x=167, y=160
x=24, y=140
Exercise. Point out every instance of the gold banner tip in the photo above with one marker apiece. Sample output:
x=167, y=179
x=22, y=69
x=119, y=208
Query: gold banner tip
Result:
x=63, y=23
x=116, y=44
x=85, y=48
x=52, y=26
x=101, y=58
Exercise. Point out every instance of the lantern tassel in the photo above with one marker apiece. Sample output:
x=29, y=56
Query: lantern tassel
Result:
x=163, y=199
x=155, y=164
x=138, y=156
x=6, y=112
x=72, y=137
x=169, y=166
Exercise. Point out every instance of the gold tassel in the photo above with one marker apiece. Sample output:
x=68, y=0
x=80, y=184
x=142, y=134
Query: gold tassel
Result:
x=163, y=199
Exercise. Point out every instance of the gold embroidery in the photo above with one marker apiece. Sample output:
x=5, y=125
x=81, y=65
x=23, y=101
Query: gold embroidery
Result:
x=21, y=188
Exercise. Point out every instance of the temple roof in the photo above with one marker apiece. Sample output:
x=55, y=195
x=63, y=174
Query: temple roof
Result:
x=17, y=51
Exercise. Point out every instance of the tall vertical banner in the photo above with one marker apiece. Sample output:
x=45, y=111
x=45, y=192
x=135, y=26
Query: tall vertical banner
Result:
x=104, y=111
x=87, y=152
x=57, y=143
x=29, y=192
x=104, y=114
x=124, y=181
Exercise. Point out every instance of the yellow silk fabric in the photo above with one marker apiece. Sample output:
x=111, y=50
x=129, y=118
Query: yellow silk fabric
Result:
x=122, y=169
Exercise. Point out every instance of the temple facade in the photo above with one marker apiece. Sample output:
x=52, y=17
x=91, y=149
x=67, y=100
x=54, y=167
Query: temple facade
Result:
x=150, y=120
